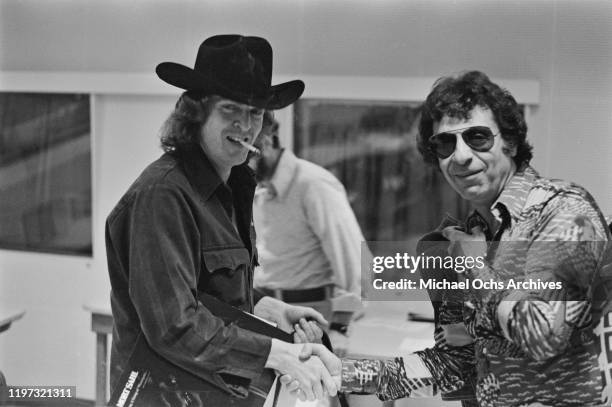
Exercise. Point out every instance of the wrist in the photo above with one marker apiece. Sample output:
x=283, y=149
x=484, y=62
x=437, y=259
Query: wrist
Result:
x=279, y=352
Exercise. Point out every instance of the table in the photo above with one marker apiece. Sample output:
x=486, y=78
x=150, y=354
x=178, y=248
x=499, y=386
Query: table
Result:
x=102, y=325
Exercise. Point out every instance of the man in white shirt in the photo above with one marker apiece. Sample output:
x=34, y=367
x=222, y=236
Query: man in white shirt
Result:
x=309, y=241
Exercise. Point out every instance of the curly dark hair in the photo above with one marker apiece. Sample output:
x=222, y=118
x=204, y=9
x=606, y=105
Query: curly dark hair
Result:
x=456, y=96
x=182, y=128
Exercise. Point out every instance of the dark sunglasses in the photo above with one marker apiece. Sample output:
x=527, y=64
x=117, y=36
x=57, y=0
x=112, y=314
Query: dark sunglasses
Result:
x=478, y=138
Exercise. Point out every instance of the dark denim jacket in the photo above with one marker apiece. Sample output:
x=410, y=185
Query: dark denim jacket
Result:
x=169, y=237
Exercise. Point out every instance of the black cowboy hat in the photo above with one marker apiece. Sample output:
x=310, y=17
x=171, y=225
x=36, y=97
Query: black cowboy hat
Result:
x=234, y=67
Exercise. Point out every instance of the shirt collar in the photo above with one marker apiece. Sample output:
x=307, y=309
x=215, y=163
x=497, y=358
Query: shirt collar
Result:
x=510, y=203
x=203, y=176
x=284, y=173
x=515, y=193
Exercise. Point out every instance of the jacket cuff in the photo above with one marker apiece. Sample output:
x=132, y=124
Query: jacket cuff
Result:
x=246, y=359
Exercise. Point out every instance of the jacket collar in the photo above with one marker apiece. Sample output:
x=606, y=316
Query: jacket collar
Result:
x=203, y=176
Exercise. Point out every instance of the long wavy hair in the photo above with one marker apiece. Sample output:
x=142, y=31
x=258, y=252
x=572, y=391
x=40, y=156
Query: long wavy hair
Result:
x=182, y=128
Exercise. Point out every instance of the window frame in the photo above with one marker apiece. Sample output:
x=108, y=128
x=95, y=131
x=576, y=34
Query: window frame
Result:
x=366, y=88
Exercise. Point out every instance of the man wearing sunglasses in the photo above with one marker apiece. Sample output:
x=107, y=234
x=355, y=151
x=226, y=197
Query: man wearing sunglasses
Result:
x=518, y=347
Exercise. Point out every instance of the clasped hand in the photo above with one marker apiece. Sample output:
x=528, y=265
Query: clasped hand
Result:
x=286, y=315
x=309, y=370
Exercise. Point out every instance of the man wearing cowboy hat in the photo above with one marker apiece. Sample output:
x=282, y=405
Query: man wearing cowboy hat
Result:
x=185, y=227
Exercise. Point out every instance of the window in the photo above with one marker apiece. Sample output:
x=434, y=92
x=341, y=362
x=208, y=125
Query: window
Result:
x=45, y=172
x=371, y=147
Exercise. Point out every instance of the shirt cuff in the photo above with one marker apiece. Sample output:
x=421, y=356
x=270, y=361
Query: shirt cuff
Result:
x=385, y=378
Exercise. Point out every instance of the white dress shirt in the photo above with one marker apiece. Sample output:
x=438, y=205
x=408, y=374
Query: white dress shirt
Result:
x=307, y=234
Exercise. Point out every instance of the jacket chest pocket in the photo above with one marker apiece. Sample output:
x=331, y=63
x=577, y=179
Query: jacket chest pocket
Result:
x=226, y=274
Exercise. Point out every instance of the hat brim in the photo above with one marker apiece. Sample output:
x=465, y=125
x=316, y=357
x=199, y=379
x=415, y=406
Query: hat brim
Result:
x=181, y=76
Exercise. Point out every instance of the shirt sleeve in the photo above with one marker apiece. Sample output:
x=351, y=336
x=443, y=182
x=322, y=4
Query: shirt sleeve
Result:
x=164, y=262
x=451, y=367
x=420, y=374
x=390, y=379
x=567, y=250
x=332, y=220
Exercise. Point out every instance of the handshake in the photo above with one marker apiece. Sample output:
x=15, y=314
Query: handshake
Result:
x=309, y=370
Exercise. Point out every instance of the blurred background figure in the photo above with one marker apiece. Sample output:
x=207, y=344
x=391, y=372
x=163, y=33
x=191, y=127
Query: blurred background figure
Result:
x=309, y=241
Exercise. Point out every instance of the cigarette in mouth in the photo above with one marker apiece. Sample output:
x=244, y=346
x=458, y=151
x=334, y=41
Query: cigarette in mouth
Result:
x=244, y=144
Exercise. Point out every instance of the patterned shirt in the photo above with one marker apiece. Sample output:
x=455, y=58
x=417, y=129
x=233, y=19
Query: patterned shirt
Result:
x=531, y=345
